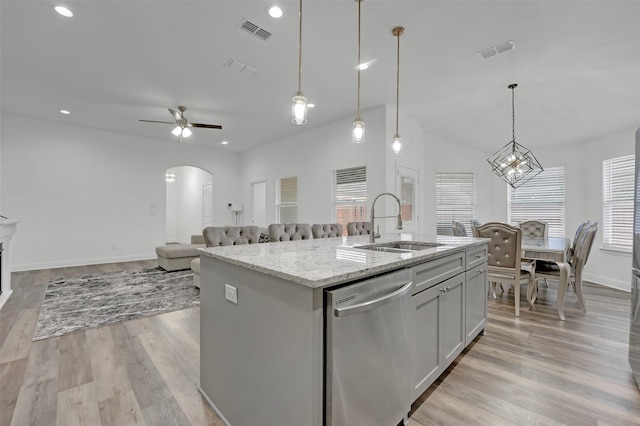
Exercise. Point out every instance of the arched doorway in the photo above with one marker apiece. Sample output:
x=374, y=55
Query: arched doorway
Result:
x=189, y=202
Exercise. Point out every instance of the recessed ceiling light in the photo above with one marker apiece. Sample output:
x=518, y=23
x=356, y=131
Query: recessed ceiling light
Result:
x=64, y=111
x=224, y=143
x=64, y=11
x=311, y=105
x=275, y=12
x=363, y=66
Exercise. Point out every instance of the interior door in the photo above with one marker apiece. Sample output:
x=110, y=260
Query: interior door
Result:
x=207, y=205
x=407, y=190
x=259, y=203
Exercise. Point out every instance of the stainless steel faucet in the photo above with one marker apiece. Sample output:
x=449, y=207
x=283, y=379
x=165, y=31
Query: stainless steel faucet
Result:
x=372, y=235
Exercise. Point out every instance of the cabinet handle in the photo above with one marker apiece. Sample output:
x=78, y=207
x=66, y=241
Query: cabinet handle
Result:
x=478, y=256
x=480, y=271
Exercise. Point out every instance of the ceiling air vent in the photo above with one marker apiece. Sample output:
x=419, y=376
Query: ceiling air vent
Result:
x=252, y=28
x=497, y=49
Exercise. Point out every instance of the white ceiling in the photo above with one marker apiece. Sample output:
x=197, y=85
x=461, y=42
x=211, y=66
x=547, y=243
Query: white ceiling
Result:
x=577, y=64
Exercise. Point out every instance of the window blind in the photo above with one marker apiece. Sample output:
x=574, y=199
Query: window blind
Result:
x=287, y=205
x=349, y=195
x=541, y=198
x=456, y=199
x=617, y=195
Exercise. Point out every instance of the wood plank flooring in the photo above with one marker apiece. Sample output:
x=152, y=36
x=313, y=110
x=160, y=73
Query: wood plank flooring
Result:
x=532, y=370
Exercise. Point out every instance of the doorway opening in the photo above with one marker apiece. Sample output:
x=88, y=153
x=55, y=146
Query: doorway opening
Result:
x=189, y=202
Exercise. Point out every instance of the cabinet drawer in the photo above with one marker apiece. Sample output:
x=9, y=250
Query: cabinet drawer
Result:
x=476, y=256
x=435, y=271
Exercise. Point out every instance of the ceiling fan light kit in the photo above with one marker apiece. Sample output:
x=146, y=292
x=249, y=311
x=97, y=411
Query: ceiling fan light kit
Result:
x=514, y=163
x=183, y=125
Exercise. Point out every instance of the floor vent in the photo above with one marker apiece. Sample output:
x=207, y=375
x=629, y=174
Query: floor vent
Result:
x=497, y=49
x=252, y=28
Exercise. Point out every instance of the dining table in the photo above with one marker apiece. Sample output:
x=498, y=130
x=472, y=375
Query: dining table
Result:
x=550, y=249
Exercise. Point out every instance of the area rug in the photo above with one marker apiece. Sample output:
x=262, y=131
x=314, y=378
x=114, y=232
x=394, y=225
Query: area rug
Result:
x=90, y=301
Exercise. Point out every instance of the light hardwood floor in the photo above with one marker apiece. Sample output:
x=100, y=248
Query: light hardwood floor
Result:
x=532, y=370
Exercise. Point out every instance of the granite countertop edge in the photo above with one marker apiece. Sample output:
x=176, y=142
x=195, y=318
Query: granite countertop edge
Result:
x=322, y=266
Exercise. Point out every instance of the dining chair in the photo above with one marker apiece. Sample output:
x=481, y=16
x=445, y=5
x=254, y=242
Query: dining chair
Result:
x=577, y=263
x=504, y=259
x=474, y=224
x=534, y=229
x=458, y=229
x=289, y=231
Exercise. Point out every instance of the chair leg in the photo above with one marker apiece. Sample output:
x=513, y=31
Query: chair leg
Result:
x=493, y=289
x=517, y=298
x=532, y=292
x=578, y=290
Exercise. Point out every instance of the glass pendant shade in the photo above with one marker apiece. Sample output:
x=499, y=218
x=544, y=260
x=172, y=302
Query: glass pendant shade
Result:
x=358, y=132
x=396, y=146
x=177, y=131
x=186, y=132
x=299, y=110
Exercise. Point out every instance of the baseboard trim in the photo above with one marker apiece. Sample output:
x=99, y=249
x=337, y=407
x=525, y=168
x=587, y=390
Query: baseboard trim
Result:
x=79, y=262
x=206, y=397
x=608, y=282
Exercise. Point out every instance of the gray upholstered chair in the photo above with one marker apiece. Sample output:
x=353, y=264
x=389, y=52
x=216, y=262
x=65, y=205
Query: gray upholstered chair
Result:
x=474, y=224
x=230, y=235
x=289, y=231
x=358, y=228
x=504, y=263
x=534, y=228
x=458, y=229
x=329, y=230
x=577, y=261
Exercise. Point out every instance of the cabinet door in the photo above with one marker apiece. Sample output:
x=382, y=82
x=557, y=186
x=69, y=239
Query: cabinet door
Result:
x=427, y=358
x=476, y=301
x=452, y=332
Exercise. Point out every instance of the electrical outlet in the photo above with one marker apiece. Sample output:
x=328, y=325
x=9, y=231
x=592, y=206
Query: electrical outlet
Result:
x=231, y=293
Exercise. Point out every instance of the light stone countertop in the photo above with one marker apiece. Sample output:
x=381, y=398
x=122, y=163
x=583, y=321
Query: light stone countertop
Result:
x=322, y=262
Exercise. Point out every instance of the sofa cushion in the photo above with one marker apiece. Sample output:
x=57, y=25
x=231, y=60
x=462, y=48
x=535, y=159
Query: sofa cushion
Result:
x=230, y=235
x=174, y=251
x=289, y=231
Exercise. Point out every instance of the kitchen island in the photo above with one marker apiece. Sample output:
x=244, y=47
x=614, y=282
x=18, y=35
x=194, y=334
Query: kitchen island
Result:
x=262, y=318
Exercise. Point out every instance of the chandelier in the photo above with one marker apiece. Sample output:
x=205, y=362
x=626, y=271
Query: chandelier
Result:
x=514, y=163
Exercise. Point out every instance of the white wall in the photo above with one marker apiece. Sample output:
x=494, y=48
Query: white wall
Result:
x=88, y=196
x=184, y=203
x=312, y=156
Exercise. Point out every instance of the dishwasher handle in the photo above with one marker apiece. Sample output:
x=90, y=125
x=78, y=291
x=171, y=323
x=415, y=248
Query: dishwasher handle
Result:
x=370, y=304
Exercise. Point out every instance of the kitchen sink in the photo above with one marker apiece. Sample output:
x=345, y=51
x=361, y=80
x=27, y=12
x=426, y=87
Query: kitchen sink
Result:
x=400, y=246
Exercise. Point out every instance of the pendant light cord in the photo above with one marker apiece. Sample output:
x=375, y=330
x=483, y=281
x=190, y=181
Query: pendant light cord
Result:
x=358, y=114
x=300, y=53
x=398, y=32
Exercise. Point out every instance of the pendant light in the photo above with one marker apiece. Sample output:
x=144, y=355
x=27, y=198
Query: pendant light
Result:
x=514, y=163
x=299, y=107
x=396, y=146
x=357, y=135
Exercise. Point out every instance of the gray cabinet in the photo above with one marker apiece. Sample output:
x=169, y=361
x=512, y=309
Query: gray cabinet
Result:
x=476, y=289
x=439, y=330
x=450, y=303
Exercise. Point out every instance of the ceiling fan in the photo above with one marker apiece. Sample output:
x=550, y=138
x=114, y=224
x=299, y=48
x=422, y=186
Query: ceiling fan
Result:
x=182, y=128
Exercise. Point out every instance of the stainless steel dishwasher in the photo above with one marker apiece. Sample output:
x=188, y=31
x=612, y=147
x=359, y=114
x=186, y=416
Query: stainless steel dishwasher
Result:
x=367, y=351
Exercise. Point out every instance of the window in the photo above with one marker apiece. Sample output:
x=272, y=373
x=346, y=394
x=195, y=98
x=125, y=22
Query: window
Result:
x=541, y=198
x=350, y=195
x=287, y=200
x=617, y=195
x=456, y=199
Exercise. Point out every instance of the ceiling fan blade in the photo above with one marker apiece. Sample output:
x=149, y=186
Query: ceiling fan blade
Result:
x=176, y=114
x=154, y=121
x=206, y=126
